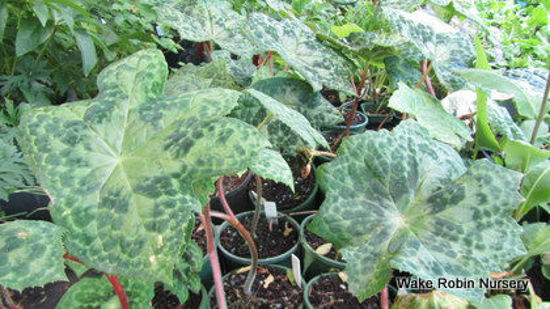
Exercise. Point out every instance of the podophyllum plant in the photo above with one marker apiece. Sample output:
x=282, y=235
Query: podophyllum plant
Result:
x=403, y=200
x=124, y=172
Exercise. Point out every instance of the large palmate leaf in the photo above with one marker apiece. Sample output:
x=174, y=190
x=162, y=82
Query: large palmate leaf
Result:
x=299, y=95
x=214, y=74
x=99, y=293
x=286, y=128
x=208, y=21
x=297, y=45
x=126, y=170
x=271, y=165
x=448, y=49
x=403, y=200
x=430, y=114
x=31, y=254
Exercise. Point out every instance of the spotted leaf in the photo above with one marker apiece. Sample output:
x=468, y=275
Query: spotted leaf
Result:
x=403, y=200
x=271, y=165
x=429, y=112
x=448, y=49
x=297, y=45
x=31, y=254
x=126, y=170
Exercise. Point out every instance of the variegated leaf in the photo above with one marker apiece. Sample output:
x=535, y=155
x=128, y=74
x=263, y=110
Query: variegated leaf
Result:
x=31, y=254
x=403, y=200
x=271, y=165
x=297, y=45
x=429, y=112
x=448, y=49
x=126, y=169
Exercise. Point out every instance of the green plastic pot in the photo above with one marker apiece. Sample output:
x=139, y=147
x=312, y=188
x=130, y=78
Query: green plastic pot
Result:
x=309, y=204
x=206, y=271
x=307, y=304
x=234, y=261
x=212, y=289
x=374, y=119
x=358, y=128
x=315, y=263
x=204, y=304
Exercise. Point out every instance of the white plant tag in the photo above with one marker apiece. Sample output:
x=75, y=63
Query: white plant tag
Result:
x=296, y=270
x=270, y=209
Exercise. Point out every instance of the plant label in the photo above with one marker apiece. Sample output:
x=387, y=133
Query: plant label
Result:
x=296, y=270
x=271, y=211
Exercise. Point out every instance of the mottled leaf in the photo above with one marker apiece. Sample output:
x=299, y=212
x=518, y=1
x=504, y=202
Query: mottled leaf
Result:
x=521, y=156
x=216, y=71
x=208, y=21
x=536, y=187
x=448, y=49
x=403, y=200
x=126, y=169
x=242, y=70
x=536, y=237
x=430, y=114
x=186, y=272
x=407, y=5
x=500, y=301
x=401, y=70
x=271, y=165
x=297, y=45
x=31, y=254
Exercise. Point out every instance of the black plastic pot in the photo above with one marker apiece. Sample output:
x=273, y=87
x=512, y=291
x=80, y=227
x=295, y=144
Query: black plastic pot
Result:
x=237, y=199
x=26, y=205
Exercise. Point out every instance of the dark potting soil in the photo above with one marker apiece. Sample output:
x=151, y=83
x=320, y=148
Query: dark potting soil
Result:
x=331, y=96
x=331, y=292
x=271, y=289
x=315, y=242
x=331, y=138
x=230, y=183
x=282, y=195
x=40, y=297
x=199, y=235
x=270, y=243
x=166, y=299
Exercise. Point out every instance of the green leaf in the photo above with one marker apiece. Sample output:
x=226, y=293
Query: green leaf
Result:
x=30, y=35
x=31, y=254
x=300, y=96
x=536, y=187
x=297, y=45
x=242, y=70
x=536, y=237
x=448, y=49
x=407, y=5
x=41, y=11
x=126, y=170
x=271, y=165
x=521, y=156
x=345, y=30
x=4, y=13
x=403, y=200
x=216, y=71
x=290, y=118
x=500, y=301
x=77, y=268
x=433, y=299
x=14, y=173
x=186, y=272
x=430, y=114
x=501, y=122
x=401, y=70
x=87, y=50
x=98, y=292
x=526, y=106
x=208, y=21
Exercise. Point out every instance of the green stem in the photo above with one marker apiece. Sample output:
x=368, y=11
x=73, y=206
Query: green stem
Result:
x=542, y=110
x=265, y=121
x=257, y=208
x=520, y=263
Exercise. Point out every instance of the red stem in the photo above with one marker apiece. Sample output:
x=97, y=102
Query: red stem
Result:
x=384, y=298
x=270, y=55
x=115, y=282
x=221, y=194
x=213, y=256
x=427, y=80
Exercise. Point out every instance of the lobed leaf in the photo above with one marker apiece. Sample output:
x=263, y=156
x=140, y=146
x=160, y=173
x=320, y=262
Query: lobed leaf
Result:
x=402, y=200
x=31, y=254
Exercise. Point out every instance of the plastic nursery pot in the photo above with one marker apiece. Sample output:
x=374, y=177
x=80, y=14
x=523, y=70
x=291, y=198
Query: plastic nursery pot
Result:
x=206, y=271
x=237, y=199
x=234, y=261
x=374, y=119
x=356, y=128
x=226, y=276
x=315, y=263
x=308, y=204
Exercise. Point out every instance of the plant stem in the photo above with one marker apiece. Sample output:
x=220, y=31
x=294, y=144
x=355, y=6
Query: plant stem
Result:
x=426, y=77
x=542, y=110
x=384, y=298
x=265, y=121
x=359, y=90
x=245, y=235
x=7, y=298
x=519, y=263
x=213, y=256
x=424, y=74
x=257, y=207
x=115, y=282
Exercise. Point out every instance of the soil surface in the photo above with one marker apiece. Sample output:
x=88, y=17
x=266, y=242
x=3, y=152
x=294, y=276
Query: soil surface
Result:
x=40, y=297
x=331, y=96
x=271, y=289
x=331, y=292
x=199, y=235
x=331, y=138
x=282, y=195
x=315, y=242
x=270, y=243
x=165, y=299
x=359, y=119
x=230, y=183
